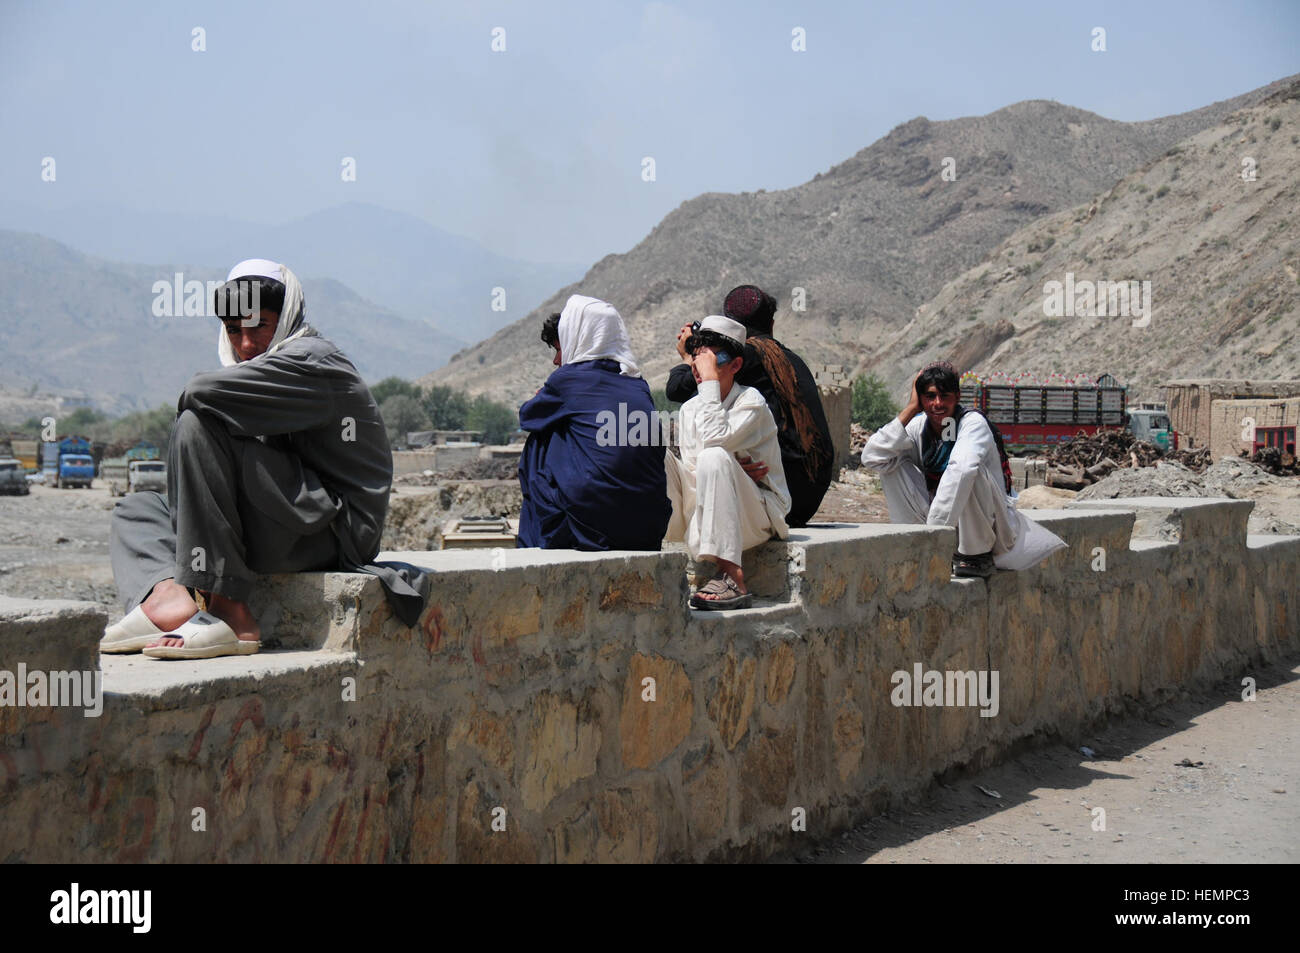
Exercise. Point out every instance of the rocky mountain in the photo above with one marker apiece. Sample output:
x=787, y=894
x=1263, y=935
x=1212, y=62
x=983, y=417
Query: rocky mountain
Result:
x=415, y=269
x=80, y=325
x=1221, y=253
x=868, y=241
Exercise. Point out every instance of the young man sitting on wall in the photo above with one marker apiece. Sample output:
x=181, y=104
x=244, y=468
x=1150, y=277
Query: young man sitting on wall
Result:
x=939, y=465
x=717, y=508
x=278, y=463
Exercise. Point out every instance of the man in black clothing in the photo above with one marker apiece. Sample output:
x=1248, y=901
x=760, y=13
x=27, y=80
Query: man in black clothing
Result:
x=807, y=452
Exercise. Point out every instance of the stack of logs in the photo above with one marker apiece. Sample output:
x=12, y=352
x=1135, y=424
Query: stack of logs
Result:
x=1089, y=458
x=1276, y=461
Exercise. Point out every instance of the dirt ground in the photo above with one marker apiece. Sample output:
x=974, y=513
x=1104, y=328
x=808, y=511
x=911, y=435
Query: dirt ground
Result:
x=854, y=498
x=54, y=545
x=1239, y=803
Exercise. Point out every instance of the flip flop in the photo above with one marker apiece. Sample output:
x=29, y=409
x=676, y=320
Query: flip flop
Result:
x=720, y=585
x=131, y=633
x=205, y=636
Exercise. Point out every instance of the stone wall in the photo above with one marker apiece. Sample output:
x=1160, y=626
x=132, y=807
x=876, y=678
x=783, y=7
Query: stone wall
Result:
x=1190, y=403
x=574, y=702
x=1228, y=422
x=836, y=391
x=437, y=459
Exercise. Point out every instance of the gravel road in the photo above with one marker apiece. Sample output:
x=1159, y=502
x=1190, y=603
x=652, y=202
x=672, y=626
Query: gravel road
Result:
x=54, y=545
x=1239, y=803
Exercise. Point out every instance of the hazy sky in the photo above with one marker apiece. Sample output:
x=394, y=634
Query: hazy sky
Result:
x=537, y=151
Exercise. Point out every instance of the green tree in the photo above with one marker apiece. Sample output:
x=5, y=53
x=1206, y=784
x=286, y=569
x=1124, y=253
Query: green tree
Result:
x=80, y=421
x=392, y=387
x=660, y=397
x=872, y=405
x=152, y=426
x=447, y=409
x=402, y=414
x=497, y=421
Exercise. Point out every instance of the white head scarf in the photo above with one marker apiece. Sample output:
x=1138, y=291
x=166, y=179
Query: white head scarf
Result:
x=591, y=329
x=293, y=323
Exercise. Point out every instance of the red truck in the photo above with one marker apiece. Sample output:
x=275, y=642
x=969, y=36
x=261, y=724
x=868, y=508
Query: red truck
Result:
x=1032, y=413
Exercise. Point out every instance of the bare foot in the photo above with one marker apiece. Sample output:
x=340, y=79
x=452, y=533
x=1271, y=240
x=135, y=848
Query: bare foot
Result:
x=169, y=605
x=237, y=615
x=234, y=614
x=735, y=572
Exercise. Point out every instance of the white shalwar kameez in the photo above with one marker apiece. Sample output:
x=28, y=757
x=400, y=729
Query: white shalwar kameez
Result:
x=717, y=508
x=971, y=495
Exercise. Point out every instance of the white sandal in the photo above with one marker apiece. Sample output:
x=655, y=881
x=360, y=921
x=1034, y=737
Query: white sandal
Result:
x=205, y=636
x=131, y=633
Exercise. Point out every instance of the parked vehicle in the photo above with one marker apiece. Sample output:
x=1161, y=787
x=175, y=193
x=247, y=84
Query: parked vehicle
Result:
x=1031, y=414
x=68, y=462
x=13, y=477
x=25, y=451
x=114, y=471
x=125, y=475
x=1150, y=422
x=143, y=451
x=147, y=475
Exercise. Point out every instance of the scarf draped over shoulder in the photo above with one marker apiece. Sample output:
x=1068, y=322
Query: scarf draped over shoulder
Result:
x=293, y=316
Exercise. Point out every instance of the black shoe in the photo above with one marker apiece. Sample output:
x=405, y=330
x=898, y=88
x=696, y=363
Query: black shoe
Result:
x=980, y=566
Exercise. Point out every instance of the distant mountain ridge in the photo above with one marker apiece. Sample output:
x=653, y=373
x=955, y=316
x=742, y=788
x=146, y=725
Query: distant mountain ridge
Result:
x=868, y=241
x=397, y=260
x=77, y=324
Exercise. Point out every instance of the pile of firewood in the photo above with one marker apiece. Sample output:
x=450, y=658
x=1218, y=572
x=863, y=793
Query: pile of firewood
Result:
x=1275, y=461
x=1089, y=458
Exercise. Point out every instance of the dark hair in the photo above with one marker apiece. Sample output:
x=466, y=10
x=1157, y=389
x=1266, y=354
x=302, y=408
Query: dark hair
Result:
x=944, y=379
x=707, y=338
x=235, y=298
x=751, y=306
x=551, y=330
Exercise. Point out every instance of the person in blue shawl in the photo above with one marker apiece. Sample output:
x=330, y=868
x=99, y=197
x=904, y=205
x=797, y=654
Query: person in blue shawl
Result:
x=592, y=471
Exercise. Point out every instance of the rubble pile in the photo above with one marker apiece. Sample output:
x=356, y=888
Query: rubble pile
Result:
x=858, y=437
x=1275, y=461
x=1233, y=477
x=500, y=468
x=1089, y=458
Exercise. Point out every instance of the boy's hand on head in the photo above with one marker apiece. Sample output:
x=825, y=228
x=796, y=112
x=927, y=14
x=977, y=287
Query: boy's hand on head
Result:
x=706, y=364
x=914, y=402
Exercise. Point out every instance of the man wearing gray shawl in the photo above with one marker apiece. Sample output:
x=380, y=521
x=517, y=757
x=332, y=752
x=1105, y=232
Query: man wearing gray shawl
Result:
x=278, y=462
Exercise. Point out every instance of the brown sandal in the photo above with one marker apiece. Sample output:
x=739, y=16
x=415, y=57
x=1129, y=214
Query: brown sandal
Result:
x=719, y=585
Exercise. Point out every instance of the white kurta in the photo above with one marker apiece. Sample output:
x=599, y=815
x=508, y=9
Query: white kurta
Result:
x=971, y=496
x=717, y=509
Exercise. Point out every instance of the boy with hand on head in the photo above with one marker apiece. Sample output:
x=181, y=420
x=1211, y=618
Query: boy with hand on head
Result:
x=718, y=510
x=786, y=383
